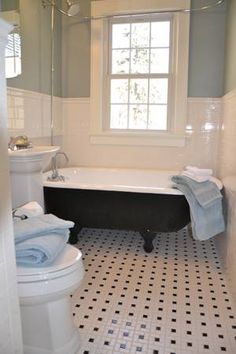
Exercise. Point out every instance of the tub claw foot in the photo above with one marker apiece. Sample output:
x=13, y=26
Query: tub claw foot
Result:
x=73, y=239
x=148, y=237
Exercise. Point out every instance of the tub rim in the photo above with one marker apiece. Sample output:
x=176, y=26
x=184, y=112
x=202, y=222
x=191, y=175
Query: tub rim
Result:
x=116, y=187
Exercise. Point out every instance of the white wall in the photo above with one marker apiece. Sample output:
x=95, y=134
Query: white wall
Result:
x=227, y=165
x=10, y=328
x=227, y=171
x=201, y=140
x=29, y=113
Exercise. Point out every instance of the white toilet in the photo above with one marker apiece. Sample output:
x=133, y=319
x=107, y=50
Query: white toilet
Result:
x=46, y=313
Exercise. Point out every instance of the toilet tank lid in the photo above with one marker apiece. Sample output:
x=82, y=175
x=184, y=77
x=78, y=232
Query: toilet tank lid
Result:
x=67, y=258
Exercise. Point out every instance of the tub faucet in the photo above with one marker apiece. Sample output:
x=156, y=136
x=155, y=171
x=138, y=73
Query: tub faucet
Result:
x=55, y=176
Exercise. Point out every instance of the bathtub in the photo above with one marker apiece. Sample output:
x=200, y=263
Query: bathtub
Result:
x=140, y=200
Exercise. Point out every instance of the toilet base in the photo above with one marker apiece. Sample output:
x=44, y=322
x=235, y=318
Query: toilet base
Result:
x=71, y=347
x=48, y=328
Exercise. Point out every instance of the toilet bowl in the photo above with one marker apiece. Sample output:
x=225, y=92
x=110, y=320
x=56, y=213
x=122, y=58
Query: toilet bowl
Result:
x=46, y=313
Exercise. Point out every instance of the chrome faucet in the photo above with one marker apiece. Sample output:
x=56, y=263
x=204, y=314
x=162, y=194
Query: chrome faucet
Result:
x=12, y=144
x=55, y=176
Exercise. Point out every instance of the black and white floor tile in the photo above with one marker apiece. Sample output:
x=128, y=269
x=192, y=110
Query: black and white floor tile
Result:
x=173, y=300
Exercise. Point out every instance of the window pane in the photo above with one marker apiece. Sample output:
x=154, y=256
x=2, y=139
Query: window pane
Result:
x=140, y=33
x=160, y=61
x=120, y=61
x=139, y=61
x=119, y=91
x=138, y=90
x=119, y=114
x=13, y=56
x=160, y=34
x=121, y=35
x=158, y=91
x=157, y=117
x=138, y=117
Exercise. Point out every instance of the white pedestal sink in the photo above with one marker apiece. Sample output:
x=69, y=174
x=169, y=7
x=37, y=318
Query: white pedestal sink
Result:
x=26, y=168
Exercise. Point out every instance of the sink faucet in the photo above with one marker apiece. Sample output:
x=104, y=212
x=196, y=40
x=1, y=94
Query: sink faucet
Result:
x=55, y=176
x=12, y=144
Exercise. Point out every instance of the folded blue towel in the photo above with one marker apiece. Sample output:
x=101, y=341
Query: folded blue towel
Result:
x=206, y=221
x=40, y=251
x=205, y=192
x=39, y=226
x=38, y=240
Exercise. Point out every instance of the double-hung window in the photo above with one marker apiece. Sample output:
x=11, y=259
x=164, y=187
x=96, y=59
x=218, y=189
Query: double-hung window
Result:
x=13, y=55
x=139, y=67
x=139, y=73
x=13, y=47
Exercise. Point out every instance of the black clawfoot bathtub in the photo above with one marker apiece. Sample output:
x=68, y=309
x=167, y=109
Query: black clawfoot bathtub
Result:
x=137, y=200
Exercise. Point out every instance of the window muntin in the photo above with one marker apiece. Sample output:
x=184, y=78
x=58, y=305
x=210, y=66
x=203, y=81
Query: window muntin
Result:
x=139, y=74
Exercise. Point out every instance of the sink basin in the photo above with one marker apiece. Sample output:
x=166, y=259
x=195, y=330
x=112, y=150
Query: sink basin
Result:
x=36, y=151
x=26, y=160
x=26, y=166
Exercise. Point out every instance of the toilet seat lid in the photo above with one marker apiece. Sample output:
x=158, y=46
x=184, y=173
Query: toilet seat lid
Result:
x=69, y=257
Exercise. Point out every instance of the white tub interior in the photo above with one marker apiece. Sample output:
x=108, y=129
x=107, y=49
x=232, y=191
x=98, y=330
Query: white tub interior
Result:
x=113, y=179
x=126, y=180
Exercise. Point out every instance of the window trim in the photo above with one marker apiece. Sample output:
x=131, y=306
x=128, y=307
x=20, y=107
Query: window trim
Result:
x=99, y=61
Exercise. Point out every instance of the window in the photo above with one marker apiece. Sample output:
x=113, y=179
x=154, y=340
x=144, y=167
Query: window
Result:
x=13, y=55
x=139, y=73
x=139, y=68
x=13, y=47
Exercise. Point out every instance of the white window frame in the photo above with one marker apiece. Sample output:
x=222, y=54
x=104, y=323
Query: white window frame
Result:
x=175, y=136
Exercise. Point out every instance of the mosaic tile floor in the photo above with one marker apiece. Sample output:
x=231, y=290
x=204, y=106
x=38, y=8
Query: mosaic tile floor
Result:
x=174, y=300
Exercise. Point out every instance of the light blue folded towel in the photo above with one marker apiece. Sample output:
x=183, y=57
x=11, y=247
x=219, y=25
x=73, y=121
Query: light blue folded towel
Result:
x=40, y=251
x=38, y=240
x=39, y=226
x=206, y=221
x=205, y=192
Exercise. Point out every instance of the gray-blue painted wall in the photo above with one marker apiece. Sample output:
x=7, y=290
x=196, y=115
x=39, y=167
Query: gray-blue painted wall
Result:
x=72, y=74
x=230, y=48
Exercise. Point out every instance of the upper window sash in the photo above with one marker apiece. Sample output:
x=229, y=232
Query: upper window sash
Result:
x=139, y=19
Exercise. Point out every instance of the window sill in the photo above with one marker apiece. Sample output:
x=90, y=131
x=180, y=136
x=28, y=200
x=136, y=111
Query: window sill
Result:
x=138, y=139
